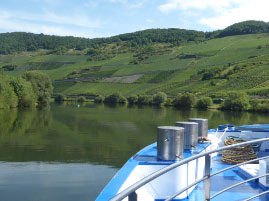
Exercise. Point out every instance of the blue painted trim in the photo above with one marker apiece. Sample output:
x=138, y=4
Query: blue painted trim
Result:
x=117, y=181
x=246, y=175
x=148, y=163
x=263, y=187
x=253, y=128
x=113, y=187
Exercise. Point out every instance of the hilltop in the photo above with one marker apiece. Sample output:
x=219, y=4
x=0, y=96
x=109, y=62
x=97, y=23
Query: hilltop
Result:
x=19, y=41
x=145, y=62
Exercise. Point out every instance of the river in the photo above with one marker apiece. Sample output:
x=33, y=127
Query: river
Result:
x=69, y=153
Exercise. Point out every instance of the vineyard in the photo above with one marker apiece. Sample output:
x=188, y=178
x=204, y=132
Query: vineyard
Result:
x=232, y=63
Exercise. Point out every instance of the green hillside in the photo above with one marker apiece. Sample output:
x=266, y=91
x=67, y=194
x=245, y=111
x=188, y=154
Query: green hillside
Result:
x=146, y=62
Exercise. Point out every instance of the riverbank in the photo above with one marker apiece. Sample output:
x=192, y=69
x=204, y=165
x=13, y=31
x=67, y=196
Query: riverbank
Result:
x=233, y=101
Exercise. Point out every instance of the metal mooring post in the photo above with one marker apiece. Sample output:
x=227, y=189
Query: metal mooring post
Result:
x=132, y=196
x=207, y=174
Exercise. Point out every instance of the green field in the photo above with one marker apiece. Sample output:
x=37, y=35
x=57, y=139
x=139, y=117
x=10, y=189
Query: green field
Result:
x=243, y=61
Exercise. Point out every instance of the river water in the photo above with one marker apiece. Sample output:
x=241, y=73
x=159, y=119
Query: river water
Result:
x=69, y=153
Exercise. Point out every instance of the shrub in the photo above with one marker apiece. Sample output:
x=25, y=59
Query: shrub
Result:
x=159, y=98
x=122, y=100
x=186, y=100
x=132, y=99
x=82, y=99
x=8, y=98
x=24, y=92
x=262, y=107
x=92, y=52
x=114, y=98
x=42, y=86
x=204, y=102
x=213, y=83
x=254, y=104
x=236, y=101
x=259, y=47
x=144, y=100
x=60, y=98
x=169, y=102
x=99, y=99
x=177, y=99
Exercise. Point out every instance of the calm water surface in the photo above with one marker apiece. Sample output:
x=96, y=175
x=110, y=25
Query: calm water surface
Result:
x=66, y=153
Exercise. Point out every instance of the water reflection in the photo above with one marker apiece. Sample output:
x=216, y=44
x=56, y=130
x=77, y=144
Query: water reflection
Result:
x=19, y=121
x=93, y=133
x=21, y=132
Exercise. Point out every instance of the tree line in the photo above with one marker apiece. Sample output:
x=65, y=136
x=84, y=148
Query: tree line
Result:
x=32, y=89
x=233, y=101
x=21, y=41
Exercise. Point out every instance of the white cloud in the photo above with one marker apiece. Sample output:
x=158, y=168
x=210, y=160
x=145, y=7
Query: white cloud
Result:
x=222, y=12
x=60, y=31
x=49, y=2
x=91, y=4
x=149, y=20
x=77, y=19
x=118, y=1
x=137, y=5
x=199, y=4
x=129, y=3
x=251, y=10
x=50, y=30
x=4, y=14
x=48, y=24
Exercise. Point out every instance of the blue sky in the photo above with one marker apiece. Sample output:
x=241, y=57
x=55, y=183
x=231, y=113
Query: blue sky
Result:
x=103, y=18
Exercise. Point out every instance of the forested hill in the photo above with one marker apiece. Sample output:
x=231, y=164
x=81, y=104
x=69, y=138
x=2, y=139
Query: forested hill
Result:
x=247, y=27
x=20, y=41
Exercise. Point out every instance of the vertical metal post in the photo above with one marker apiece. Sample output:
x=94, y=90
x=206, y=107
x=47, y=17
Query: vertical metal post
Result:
x=132, y=196
x=207, y=174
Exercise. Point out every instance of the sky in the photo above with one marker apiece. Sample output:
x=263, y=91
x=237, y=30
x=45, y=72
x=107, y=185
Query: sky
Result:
x=104, y=18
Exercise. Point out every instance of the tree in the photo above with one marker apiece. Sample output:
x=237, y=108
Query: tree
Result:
x=144, y=100
x=246, y=27
x=132, y=99
x=60, y=98
x=99, y=99
x=204, y=102
x=122, y=100
x=92, y=52
x=59, y=50
x=42, y=86
x=115, y=98
x=254, y=104
x=24, y=92
x=82, y=99
x=186, y=100
x=159, y=98
x=8, y=98
x=236, y=101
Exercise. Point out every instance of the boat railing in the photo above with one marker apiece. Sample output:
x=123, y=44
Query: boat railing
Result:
x=132, y=196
